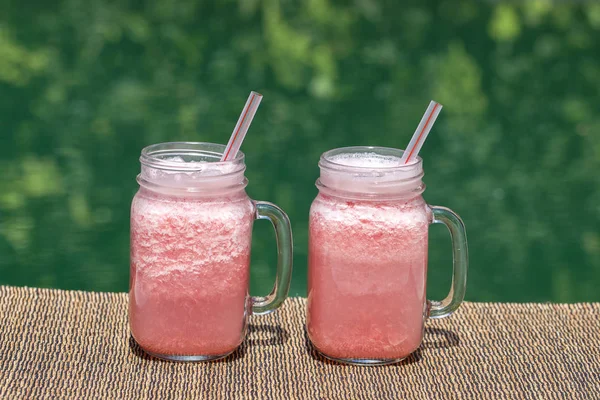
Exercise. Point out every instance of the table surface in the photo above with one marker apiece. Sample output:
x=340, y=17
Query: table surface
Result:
x=68, y=344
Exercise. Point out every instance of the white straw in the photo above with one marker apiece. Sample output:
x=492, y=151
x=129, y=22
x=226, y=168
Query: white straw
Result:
x=418, y=138
x=241, y=128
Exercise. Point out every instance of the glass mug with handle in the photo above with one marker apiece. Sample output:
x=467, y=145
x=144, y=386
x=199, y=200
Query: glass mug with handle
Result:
x=367, y=257
x=191, y=230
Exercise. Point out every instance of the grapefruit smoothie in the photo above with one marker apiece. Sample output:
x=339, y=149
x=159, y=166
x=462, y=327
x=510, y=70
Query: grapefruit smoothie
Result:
x=367, y=258
x=191, y=229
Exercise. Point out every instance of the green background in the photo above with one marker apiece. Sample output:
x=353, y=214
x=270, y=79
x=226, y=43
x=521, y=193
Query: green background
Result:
x=85, y=84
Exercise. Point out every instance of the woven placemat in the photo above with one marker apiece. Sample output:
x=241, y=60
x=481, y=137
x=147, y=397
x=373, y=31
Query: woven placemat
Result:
x=64, y=344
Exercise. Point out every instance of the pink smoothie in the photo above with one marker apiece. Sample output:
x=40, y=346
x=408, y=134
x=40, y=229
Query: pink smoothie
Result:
x=189, y=272
x=367, y=276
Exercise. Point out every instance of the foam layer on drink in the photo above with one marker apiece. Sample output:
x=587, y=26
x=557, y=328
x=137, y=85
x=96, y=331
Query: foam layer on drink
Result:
x=203, y=168
x=207, y=230
x=366, y=160
x=386, y=221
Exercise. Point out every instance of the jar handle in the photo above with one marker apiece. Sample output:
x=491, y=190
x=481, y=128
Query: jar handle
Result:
x=458, y=234
x=283, y=236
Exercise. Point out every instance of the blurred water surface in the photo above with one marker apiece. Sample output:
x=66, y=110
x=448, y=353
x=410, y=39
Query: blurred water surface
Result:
x=85, y=84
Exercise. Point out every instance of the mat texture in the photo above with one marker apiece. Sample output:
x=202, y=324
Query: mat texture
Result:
x=61, y=345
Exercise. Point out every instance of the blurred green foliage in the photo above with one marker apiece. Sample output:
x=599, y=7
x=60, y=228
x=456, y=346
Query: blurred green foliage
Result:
x=85, y=84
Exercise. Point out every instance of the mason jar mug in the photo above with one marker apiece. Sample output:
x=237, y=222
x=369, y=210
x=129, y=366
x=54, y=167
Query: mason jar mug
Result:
x=367, y=257
x=191, y=230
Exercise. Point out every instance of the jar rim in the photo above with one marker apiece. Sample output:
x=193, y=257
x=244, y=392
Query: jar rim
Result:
x=326, y=161
x=371, y=179
x=155, y=156
x=197, y=169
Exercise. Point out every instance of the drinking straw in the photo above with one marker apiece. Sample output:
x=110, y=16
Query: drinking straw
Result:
x=421, y=133
x=241, y=128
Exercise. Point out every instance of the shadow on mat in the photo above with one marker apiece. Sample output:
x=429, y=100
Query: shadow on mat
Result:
x=434, y=338
x=257, y=335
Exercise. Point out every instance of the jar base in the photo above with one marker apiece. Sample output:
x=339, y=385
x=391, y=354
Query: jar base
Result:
x=185, y=358
x=365, y=362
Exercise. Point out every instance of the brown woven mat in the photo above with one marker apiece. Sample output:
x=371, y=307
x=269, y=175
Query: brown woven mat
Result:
x=59, y=344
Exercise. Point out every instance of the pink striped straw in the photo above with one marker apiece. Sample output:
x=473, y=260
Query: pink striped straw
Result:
x=241, y=128
x=418, y=138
